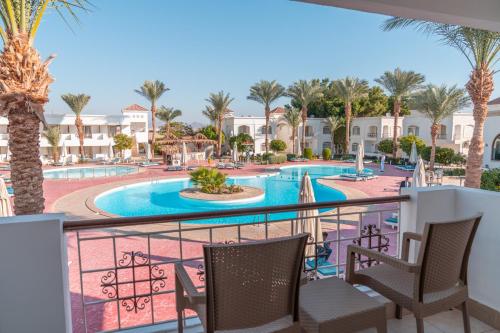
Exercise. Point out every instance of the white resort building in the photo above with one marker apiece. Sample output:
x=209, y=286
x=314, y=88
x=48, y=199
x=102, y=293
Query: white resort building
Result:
x=492, y=135
x=99, y=131
x=455, y=132
x=317, y=131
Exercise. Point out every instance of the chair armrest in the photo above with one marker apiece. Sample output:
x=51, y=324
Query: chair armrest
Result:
x=394, y=262
x=405, y=246
x=184, y=283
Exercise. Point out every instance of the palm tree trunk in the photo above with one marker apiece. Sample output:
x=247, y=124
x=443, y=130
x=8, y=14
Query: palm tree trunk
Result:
x=55, y=153
x=26, y=167
x=219, y=138
x=293, y=140
x=480, y=87
x=153, y=125
x=434, y=134
x=347, y=126
x=79, y=130
x=333, y=142
x=267, y=112
x=304, y=121
x=397, y=108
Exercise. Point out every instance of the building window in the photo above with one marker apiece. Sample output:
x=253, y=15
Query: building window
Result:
x=309, y=131
x=88, y=131
x=113, y=130
x=269, y=130
x=327, y=144
x=327, y=130
x=355, y=147
x=356, y=130
x=457, y=132
x=442, y=132
x=413, y=130
x=372, y=131
x=244, y=129
x=495, y=156
x=385, y=131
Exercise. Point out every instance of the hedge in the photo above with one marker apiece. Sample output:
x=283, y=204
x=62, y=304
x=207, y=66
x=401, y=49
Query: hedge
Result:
x=308, y=153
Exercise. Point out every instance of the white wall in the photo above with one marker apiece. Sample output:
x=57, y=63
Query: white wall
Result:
x=34, y=289
x=451, y=202
x=491, y=130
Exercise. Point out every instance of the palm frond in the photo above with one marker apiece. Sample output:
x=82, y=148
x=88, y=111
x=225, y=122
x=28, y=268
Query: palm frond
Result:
x=400, y=83
x=266, y=92
x=76, y=102
x=152, y=90
x=305, y=92
x=350, y=88
x=439, y=102
x=167, y=114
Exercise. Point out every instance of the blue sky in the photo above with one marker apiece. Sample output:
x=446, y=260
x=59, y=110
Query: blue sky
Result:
x=198, y=47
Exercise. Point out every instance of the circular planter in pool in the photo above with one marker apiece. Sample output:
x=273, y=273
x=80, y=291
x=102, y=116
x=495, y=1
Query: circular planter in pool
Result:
x=249, y=194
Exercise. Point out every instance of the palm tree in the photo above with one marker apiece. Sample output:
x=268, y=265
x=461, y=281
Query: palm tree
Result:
x=399, y=84
x=293, y=118
x=53, y=136
x=24, y=87
x=349, y=90
x=334, y=123
x=480, y=48
x=437, y=103
x=77, y=103
x=152, y=91
x=210, y=114
x=305, y=92
x=167, y=115
x=265, y=93
x=219, y=103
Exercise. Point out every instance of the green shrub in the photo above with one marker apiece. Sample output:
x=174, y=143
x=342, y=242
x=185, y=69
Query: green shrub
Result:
x=454, y=172
x=308, y=153
x=244, y=142
x=266, y=157
x=385, y=146
x=490, y=180
x=290, y=157
x=208, y=180
x=405, y=143
x=444, y=156
x=277, y=145
x=277, y=159
x=327, y=154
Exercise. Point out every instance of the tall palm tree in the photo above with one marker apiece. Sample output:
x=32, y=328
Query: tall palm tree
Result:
x=219, y=102
x=334, y=123
x=167, y=115
x=77, y=103
x=480, y=48
x=293, y=118
x=53, y=136
x=24, y=86
x=349, y=90
x=210, y=114
x=152, y=91
x=437, y=103
x=399, y=84
x=305, y=92
x=265, y=93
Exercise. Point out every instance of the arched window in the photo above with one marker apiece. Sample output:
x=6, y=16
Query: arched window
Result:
x=372, y=131
x=413, y=130
x=457, y=132
x=327, y=144
x=269, y=130
x=385, y=131
x=244, y=129
x=442, y=132
x=495, y=149
x=326, y=130
x=309, y=131
x=355, y=147
x=356, y=130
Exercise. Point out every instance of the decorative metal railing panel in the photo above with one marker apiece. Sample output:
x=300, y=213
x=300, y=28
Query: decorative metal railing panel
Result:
x=121, y=270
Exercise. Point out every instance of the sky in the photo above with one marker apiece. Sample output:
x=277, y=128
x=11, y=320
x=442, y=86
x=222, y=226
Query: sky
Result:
x=198, y=47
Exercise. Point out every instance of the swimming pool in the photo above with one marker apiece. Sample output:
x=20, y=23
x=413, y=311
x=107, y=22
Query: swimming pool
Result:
x=89, y=172
x=162, y=197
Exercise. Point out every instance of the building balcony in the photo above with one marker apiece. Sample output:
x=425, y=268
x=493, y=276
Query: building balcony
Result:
x=371, y=136
x=116, y=274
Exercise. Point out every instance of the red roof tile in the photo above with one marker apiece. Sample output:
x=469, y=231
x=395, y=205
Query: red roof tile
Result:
x=135, y=107
x=494, y=101
x=279, y=109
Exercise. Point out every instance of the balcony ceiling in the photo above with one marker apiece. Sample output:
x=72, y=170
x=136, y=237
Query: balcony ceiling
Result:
x=482, y=14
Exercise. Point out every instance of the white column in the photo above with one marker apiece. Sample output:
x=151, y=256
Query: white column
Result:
x=34, y=287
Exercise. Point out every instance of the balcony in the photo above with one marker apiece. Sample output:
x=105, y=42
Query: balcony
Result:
x=371, y=136
x=120, y=271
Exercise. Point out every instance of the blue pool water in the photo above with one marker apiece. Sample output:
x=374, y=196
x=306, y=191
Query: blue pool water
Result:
x=89, y=172
x=163, y=197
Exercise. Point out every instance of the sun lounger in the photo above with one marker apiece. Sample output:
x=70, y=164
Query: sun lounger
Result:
x=220, y=166
x=392, y=221
x=405, y=167
x=354, y=177
x=229, y=166
x=325, y=268
x=192, y=167
x=174, y=168
x=148, y=164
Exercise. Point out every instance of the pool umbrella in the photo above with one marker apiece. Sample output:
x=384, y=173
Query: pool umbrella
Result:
x=419, y=174
x=299, y=153
x=361, y=147
x=359, y=160
x=5, y=206
x=64, y=152
x=184, y=154
x=308, y=220
x=7, y=153
x=235, y=152
x=148, y=152
x=111, y=153
x=413, y=154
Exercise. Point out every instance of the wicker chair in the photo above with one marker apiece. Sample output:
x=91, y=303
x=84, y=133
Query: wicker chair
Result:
x=438, y=279
x=250, y=287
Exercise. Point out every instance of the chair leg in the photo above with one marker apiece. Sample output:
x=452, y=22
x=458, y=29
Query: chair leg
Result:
x=382, y=326
x=465, y=316
x=399, y=311
x=180, y=327
x=420, y=325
